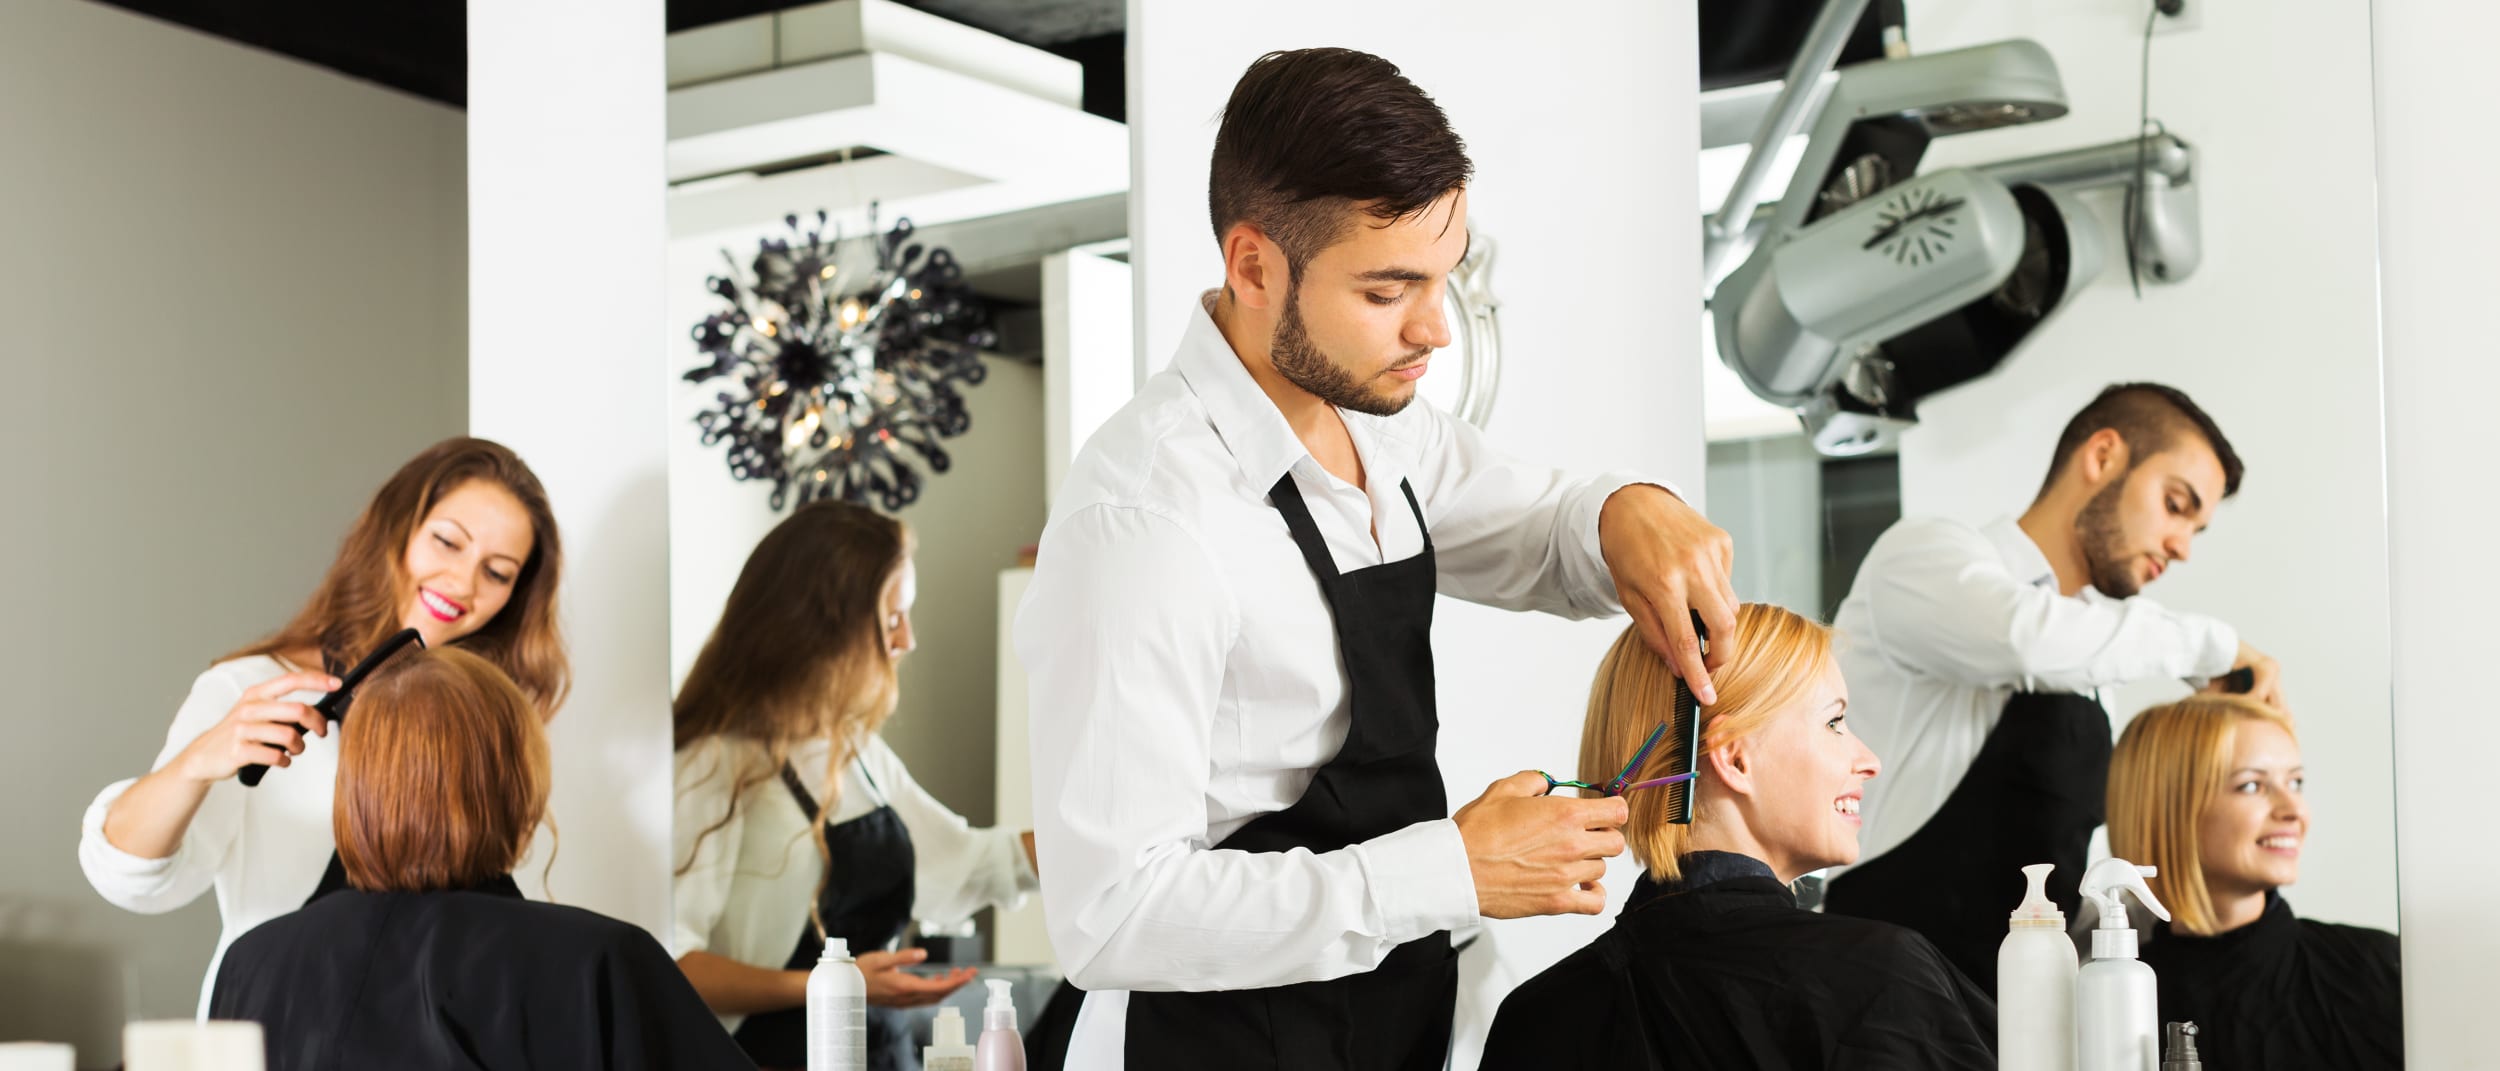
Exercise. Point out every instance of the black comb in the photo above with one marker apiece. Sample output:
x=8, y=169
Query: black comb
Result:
x=333, y=707
x=1684, y=725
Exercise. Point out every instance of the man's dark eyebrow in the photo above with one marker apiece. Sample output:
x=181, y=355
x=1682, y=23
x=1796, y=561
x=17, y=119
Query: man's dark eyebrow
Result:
x=1410, y=275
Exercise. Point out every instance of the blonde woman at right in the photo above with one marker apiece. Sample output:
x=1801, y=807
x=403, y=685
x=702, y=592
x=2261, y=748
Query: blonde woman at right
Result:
x=1712, y=963
x=2209, y=790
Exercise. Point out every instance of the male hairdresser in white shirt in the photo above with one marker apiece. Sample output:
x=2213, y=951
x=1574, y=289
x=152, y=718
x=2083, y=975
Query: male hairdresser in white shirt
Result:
x=1248, y=858
x=1974, y=659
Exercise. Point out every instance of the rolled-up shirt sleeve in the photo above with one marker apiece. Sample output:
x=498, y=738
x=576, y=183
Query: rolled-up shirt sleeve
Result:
x=704, y=853
x=1942, y=602
x=1511, y=534
x=957, y=868
x=1124, y=636
x=155, y=886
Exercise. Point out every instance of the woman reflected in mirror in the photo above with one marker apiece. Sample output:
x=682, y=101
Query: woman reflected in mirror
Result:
x=795, y=822
x=2210, y=790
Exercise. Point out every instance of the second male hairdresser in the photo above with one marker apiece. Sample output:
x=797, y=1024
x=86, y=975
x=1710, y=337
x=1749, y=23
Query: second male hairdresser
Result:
x=1975, y=657
x=1249, y=859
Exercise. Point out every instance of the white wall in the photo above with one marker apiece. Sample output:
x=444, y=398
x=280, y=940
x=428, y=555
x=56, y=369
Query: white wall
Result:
x=233, y=285
x=2276, y=335
x=568, y=228
x=970, y=522
x=2437, y=280
x=1583, y=125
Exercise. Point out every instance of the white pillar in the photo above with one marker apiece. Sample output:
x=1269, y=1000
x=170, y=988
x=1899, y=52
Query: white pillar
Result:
x=567, y=365
x=2436, y=282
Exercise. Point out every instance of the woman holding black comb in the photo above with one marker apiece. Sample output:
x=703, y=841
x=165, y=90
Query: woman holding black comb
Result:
x=459, y=544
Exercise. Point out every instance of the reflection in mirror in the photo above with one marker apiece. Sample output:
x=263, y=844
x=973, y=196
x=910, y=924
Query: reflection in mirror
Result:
x=266, y=371
x=848, y=759
x=1919, y=321
x=1471, y=365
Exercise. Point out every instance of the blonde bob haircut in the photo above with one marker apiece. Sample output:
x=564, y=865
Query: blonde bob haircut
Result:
x=1774, y=661
x=2168, y=767
x=443, y=774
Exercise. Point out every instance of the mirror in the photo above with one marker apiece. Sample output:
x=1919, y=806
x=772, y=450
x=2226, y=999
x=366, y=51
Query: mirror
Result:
x=1001, y=143
x=236, y=147
x=1844, y=418
x=1474, y=356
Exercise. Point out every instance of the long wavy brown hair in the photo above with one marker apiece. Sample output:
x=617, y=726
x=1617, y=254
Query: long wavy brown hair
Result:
x=363, y=599
x=801, y=651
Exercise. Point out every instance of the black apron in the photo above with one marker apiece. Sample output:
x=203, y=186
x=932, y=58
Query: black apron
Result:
x=1395, y=1017
x=866, y=900
x=2034, y=795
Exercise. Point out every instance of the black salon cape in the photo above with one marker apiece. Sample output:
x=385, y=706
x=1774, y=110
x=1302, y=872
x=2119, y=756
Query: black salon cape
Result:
x=2284, y=993
x=1723, y=970
x=474, y=979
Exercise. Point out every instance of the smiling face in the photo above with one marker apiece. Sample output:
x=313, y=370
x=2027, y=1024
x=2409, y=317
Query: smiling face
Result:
x=1799, y=780
x=1359, y=328
x=2146, y=517
x=2250, y=834
x=463, y=559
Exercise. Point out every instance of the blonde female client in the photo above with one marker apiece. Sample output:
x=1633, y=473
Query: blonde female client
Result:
x=1712, y=963
x=2209, y=790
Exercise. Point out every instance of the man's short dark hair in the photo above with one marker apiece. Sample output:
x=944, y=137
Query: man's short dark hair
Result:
x=2149, y=418
x=1313, y=132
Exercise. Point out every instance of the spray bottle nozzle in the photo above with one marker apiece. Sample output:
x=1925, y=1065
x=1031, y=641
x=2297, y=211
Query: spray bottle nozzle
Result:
x=1000, y=1012
x=2037, y=909
x=2114, y=936
x=2102, y=882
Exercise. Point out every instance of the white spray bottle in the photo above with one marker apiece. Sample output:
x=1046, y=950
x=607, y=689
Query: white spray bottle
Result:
x=2036, y=984
x=837, y=1011
x=1001, y=1048
x=2117, y=1009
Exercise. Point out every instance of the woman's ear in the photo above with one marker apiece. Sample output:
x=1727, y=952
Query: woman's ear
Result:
x=1732, y=764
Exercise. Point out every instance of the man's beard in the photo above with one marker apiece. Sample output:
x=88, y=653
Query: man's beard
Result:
x=1303, y=365
x=2105, y=553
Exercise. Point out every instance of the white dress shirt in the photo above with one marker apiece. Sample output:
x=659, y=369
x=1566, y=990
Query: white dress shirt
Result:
x=262, y=849
x=1945, y=623
x=746, y=894
x=1184, y=680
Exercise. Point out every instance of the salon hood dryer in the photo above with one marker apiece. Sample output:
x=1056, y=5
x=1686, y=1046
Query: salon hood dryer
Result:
x=1870, y=285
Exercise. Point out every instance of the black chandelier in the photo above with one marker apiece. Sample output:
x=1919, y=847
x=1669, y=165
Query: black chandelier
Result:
x=831, y=383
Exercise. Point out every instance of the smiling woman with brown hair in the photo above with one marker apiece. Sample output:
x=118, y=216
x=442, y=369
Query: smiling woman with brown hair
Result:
x=459, y=544
x=431, y=958
x=2210, y=790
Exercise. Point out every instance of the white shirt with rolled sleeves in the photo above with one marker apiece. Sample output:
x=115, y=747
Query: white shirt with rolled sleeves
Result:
x=1184, y=680
x=743, y=885
x=262, y=849
x=1946, y=622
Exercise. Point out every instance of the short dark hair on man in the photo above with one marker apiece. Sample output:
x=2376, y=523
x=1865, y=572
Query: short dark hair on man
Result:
x=1310, y=133
x=2149, y=418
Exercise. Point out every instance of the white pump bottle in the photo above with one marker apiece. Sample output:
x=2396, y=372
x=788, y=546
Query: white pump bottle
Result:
x=2036, y=984
x=2117, y=1008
